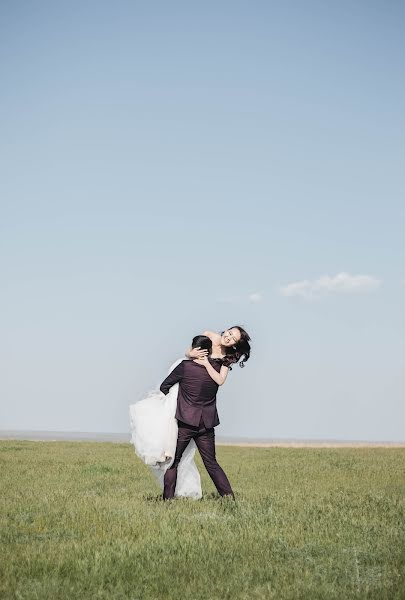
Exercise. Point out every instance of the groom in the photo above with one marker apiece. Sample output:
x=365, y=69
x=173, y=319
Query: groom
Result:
x=197, y=416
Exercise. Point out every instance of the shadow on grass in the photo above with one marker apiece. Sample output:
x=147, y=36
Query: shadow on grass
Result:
x=212, y=496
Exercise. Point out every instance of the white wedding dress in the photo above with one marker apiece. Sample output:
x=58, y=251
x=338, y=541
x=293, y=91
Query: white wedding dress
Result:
x=154, y=436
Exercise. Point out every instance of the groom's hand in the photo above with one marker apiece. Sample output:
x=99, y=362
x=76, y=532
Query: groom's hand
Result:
x=198, y=353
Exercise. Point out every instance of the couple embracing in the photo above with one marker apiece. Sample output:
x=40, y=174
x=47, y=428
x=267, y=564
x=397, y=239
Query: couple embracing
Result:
x=168, y=425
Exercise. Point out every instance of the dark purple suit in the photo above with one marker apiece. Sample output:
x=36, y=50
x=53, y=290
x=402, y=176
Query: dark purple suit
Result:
x=197, y=416
x=197, y=392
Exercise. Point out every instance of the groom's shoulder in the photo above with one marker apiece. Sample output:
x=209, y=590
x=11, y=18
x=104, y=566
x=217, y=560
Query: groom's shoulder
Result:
x=183, y=363
x=188, y=363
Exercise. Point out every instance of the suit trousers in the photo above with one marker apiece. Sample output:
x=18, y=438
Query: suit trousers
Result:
x=205, y=442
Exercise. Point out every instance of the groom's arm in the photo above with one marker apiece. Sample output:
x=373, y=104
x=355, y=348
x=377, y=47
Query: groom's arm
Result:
x=174, y=377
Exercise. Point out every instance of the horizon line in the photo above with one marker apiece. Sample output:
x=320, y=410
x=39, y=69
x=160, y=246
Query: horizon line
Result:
x=119, y=436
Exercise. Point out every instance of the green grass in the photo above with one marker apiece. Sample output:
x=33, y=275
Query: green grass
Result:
x=84, y=520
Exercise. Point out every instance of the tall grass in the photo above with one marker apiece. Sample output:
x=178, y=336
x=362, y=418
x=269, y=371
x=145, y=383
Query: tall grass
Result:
x=85, y=520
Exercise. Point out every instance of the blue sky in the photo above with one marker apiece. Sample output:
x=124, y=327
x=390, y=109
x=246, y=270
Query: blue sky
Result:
x=162, y=163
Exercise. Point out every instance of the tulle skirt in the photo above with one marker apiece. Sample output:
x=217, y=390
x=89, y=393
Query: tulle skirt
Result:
x=154, y=436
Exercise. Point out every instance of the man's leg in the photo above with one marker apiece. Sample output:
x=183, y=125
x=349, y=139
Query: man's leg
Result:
x=185, y=433
x=205, y=441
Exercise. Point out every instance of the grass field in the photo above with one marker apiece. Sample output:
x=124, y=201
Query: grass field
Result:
x=84, y=520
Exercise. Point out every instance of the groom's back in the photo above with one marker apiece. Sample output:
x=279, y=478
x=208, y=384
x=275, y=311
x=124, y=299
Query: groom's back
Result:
x=198, y=395
x=197, y=385
x=197, y=392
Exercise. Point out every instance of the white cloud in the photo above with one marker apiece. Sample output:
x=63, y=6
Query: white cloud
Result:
x=255, y=297
x=342, y=283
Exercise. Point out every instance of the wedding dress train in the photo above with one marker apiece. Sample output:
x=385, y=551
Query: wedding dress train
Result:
x=154, y=436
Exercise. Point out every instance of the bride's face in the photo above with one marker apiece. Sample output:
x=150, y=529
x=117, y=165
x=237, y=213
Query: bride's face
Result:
x=230, y=337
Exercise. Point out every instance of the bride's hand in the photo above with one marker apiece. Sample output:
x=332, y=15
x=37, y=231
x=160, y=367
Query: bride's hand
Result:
x=202, y=361
x=198, y=353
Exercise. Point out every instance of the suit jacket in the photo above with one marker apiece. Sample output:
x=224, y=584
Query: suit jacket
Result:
x=197, y=392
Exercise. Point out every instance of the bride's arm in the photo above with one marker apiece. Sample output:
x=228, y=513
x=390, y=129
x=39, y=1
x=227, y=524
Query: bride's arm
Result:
x=220, y=377
x=196, y=353
x=214, y=337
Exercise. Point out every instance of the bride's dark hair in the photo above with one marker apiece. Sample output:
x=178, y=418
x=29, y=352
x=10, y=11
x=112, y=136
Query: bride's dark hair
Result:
x=241, y=349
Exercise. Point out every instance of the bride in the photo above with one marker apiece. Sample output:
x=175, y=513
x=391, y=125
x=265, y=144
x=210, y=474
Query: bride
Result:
x=154, y=426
